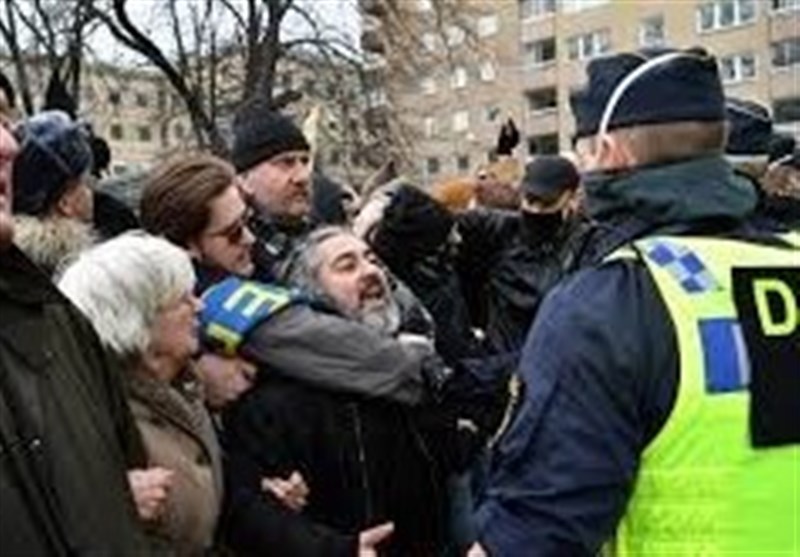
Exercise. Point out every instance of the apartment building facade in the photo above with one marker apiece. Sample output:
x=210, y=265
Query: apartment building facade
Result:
x=541, y=47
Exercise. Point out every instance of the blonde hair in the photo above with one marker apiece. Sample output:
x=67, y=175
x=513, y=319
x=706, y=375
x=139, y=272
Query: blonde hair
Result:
x=457, y=194
x=672, y=141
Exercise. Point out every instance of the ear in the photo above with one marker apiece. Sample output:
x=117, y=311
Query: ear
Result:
x=67, y=204
x=245, y=184
x=614, y=153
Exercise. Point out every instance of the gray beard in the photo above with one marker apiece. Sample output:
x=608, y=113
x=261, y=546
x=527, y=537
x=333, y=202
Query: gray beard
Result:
x=385, y=318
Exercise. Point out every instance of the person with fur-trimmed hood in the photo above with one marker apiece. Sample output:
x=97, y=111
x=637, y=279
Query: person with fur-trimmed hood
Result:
x=52, y=197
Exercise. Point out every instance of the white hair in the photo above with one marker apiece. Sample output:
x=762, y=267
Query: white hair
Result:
x=121, y=285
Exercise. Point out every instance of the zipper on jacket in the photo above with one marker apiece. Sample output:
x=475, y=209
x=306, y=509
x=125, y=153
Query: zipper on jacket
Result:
x=362, y=460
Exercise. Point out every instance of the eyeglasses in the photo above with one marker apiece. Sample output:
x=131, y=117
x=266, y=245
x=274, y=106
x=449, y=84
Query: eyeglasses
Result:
x=235, y=232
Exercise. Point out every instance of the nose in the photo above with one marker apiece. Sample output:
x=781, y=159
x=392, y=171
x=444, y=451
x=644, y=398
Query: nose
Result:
x=248, y=238
x=302, y=172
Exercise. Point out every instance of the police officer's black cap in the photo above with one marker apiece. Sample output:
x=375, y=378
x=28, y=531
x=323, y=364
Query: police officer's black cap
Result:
x=675, y=86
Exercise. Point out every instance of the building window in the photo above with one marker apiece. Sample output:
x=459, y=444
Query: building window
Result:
x=178, y=131
x=459, y=78
x=116, y=132
x=429, y=42
x=536, y=8
x=145, y=134
x=570, y=6
x=376, y=98
x=488, y=72
x=589, y=45
x=542, y=100
x=737, y=67
x=432, y=165
x=142, y=100
x=287, y=81
x=430, y=127
x=115, y=98
x=543, y=144
x=785, y=5
x=541, y=51
x=786, y=110
x=462, y=163
x=786, y=53
x=652, y=32
x=721, y=14
x=488, y=25
x=335, y=157
x=454, y=35
x=162, y=100
x=492, y=112
x=428, y=86
x=461, y=121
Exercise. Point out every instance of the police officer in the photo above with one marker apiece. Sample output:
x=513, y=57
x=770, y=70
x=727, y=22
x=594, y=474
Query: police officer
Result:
x=659, y=413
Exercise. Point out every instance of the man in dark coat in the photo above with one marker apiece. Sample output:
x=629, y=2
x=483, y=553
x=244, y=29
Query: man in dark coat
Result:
x=508, y=261
x=363, y=456
x=66, y=435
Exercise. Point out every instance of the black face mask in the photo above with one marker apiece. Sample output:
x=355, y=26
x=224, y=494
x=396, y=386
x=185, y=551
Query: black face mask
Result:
x=541, y=227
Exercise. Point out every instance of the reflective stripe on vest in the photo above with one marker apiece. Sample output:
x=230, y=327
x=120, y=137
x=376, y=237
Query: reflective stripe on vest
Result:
x=703, y=489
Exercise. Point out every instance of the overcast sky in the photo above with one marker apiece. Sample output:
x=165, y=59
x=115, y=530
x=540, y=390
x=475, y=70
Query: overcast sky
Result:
x=339, y=17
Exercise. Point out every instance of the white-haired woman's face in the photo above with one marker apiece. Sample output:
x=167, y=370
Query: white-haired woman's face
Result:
x=174, y=331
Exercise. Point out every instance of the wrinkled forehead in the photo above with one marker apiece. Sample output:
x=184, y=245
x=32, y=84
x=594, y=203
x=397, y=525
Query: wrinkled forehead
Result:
x=342, y=246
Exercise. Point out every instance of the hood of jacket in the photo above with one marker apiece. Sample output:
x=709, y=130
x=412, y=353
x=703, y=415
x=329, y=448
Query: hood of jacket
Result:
x=51, y=242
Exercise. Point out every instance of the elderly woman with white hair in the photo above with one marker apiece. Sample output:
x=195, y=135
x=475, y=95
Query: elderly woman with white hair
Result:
x=137, y=290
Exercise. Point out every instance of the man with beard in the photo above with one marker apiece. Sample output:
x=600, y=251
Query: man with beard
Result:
x=508, y=261
x=363, y=458
x=66, y=435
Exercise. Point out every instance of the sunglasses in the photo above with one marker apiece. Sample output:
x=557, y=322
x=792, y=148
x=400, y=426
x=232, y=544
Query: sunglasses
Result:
x=234, y=233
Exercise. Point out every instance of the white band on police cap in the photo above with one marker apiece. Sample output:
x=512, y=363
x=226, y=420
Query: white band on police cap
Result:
x=629, y=79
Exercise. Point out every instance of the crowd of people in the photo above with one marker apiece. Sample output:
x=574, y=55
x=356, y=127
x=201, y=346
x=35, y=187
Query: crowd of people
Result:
x=592, y=353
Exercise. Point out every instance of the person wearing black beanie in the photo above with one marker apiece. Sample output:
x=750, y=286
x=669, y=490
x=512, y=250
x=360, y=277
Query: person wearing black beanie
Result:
x=273, y=161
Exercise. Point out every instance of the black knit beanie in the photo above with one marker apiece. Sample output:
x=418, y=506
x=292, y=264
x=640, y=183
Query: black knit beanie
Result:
x=260, y=133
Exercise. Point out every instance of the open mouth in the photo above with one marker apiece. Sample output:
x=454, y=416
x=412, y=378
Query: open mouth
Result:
x=373, y=292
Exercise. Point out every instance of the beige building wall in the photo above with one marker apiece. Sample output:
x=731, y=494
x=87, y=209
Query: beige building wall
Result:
x=547, y=123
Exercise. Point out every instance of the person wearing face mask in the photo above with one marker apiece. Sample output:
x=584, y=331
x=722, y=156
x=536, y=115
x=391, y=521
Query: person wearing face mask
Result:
x=508, y=261
x=659, y=408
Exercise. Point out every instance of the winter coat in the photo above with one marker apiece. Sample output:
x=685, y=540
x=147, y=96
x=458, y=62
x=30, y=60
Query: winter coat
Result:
x=66, y=433
x=178, y=435
x=364, y=462
x=600, y=366
x=52, y=242
x=506, y=274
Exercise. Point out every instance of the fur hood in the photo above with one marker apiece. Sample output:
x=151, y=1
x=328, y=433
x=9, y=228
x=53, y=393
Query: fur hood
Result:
x=51, y=242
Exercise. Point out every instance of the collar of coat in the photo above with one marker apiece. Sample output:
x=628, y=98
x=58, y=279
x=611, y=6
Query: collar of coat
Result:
x=683, y=192
x=179, y=404
x=23, y=282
